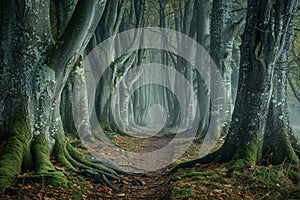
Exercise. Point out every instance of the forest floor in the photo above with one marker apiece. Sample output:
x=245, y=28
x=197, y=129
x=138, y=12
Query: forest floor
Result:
x=199, y=182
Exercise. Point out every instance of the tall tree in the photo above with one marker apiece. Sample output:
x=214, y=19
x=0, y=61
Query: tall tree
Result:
x=265, y=42
x=223, y=32
x=34, y=70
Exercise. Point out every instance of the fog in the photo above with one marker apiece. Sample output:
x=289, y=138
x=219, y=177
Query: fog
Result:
x=294, y=114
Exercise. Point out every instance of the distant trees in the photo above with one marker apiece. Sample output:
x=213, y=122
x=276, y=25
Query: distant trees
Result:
x=43, y=45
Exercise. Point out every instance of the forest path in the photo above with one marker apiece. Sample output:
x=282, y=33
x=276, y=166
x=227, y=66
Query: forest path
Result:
x=151, y=185
x=199, y=182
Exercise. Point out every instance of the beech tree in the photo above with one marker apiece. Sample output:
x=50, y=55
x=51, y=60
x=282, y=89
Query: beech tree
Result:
x=43, y=45
x=34, y=69
x=259, y=127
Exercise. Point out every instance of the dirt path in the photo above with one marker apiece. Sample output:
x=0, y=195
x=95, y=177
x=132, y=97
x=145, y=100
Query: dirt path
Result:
x=209, y=181
x=151, y=185
x=146, y=187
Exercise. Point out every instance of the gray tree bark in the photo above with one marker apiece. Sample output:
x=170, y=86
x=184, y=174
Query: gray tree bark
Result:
x=262, y=45
x=35, y=69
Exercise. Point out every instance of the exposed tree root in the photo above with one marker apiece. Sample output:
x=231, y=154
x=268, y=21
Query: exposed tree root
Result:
x=42, y=164
x=249, y=153
x=12, y=156
x=69, y=157
x=280, y=148
x=205, y=160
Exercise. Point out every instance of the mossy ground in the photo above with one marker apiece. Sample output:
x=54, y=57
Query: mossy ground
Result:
x=258, y=182
x=212, y=181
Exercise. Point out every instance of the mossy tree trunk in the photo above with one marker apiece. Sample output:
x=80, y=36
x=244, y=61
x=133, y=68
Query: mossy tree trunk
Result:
x=34, y=71
x=259, y=127
x=279, y=138
x=264, y=43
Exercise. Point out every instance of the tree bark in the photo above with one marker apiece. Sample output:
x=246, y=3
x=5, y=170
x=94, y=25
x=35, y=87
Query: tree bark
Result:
x=262, y=46
x=258, y=130
x=37, y=70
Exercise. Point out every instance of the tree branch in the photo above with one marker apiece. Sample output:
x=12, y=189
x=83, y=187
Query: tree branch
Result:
x=74, y=39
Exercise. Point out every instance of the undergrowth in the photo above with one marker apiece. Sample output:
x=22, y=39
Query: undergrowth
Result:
x=258, y=182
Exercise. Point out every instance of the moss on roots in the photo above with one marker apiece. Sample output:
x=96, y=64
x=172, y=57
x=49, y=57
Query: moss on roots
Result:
x=11, y=158
x=43, y=166
x=282, y=151
x=204, y=160
x=246, y=155
x=79, y=157
x=106, y=127
x=60, y=155
x=18, y=155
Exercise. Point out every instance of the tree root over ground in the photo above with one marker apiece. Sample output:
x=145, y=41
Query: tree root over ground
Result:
x=200, y=181
x=18, y=156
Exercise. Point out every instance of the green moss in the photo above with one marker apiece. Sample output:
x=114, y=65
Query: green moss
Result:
x=27, y=159
x=203, y=174
x=278, y=148
x=204, y=160
x=246, y=155
x=106, y=127
x=43, y=166
x=258, y=182
x=76, y=143
x=59, y=153
x=295, y=176
x=41, y=155
x=11, y=158
x=184, y=192
x=53, y=178
x=283, y=151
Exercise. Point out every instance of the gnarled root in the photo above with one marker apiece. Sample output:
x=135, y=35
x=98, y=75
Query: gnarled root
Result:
x=69, y=157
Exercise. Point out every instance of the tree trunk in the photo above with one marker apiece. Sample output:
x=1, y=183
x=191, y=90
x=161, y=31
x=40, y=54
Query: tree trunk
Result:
x=202, y=16
x=262, y=45
x=258, y=130
x=221, y=47
x=36, y=71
